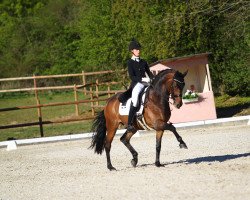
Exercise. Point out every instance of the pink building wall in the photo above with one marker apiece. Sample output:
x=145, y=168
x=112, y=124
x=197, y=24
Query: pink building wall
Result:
x=204, y=109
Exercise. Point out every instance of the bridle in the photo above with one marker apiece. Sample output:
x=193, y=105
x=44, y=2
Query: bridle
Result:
x=172, y=95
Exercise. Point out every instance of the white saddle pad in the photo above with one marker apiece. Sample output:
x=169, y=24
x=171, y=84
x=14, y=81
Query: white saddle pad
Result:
x=124, y=110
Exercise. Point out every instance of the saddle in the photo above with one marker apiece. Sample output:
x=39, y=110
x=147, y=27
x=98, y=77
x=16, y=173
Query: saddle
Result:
x=125, y=106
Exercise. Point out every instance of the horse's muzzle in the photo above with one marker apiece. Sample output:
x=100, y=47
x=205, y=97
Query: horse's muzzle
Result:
x=178, y=105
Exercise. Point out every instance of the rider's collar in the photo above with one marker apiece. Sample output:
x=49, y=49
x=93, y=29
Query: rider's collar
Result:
x=135, y=58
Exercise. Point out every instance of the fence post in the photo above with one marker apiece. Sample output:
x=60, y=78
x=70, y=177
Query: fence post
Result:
x=76, y=99
x=84, y=82
x=92, y=103
x=109, y=90
x=97, y=92
x=39, y=109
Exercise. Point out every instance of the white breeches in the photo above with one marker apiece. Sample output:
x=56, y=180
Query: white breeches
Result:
x=135, y=93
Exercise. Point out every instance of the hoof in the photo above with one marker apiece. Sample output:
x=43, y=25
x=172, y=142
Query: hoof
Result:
x=134, y=162
x=158, y=164
x=183, y=146
x=111, y=168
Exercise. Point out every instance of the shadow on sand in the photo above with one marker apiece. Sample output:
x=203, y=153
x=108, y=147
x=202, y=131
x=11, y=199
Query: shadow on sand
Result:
x=214, y=158
x=207, y=159
x=231, y=110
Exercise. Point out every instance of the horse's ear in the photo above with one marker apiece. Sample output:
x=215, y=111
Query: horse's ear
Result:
x=185, y=73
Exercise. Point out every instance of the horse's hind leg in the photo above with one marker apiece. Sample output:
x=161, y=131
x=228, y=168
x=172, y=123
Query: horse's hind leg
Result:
x=109, y=138
x=178, y=137
x=125, y=139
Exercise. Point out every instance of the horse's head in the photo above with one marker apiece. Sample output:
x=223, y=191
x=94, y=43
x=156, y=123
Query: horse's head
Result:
x=176, y=88
x=169, y=84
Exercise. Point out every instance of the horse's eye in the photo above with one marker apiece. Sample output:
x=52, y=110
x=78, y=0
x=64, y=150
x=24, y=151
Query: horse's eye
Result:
x=176, y=86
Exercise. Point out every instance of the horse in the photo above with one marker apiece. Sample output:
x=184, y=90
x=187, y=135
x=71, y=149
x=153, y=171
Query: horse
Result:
x=167, y=84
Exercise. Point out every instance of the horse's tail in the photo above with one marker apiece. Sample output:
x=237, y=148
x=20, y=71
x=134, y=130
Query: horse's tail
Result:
x=99, y=129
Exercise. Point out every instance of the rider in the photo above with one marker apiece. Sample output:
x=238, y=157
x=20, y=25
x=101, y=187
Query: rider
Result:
x=140, y=76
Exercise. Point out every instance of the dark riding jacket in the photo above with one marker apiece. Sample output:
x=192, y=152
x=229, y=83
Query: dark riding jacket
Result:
x=136, y=71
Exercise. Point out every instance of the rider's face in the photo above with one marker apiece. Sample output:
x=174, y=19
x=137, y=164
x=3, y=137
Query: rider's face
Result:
x=136, y=52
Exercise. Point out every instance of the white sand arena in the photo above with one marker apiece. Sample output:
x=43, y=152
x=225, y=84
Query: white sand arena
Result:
x=216, y=166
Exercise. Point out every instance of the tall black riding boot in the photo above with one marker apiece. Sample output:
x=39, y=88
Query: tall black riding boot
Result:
x=131, y=115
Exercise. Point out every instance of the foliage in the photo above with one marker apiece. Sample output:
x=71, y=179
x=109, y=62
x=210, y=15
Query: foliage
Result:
x=229, y=106
x=229, y=101
x=67, y=36
x=190, y=96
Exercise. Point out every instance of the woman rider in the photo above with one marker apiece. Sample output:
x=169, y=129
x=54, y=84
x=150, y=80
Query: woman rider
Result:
x=140, y=76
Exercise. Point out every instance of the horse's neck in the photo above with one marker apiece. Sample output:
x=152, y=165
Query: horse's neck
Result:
x=160, y=101
x=157, y=106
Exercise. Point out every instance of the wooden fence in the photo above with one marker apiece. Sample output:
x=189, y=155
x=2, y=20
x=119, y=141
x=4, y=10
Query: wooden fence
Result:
x=94, y=93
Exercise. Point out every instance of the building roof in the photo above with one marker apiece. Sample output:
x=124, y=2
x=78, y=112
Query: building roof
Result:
x=180, y=58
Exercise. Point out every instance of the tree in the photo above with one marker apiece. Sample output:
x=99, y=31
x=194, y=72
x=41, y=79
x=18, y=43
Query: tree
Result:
x=67, y=36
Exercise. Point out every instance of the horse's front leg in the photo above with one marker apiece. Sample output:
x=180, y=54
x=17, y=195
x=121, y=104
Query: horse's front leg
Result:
x=159, y=135
x=125, y=139
x=169, y=126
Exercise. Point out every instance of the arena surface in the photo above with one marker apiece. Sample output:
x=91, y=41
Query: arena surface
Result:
x=216, y=166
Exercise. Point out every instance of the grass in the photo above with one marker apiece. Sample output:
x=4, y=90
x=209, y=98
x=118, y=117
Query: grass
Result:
x=226, y=106
x=228, y=101
x=48, y=113
x=49, y=130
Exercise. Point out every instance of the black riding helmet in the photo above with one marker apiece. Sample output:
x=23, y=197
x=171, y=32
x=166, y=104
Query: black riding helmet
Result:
x=134, y=45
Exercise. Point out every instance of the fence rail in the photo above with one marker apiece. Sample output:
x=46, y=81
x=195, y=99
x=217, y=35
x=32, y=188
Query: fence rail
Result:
x=56, y=76
x=93, y=94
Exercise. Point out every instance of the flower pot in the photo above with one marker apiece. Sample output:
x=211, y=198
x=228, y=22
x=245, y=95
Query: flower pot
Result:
x=190, y=100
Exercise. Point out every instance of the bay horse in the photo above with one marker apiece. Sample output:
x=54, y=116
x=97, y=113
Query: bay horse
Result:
x=168, y=84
